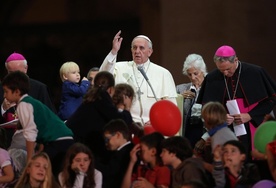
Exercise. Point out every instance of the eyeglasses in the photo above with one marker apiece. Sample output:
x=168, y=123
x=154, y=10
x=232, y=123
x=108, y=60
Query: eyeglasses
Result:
x=90, y=79
x=107, y=138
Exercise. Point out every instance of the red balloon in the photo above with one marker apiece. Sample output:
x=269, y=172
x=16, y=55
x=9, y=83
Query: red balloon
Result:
x=165, y=117
x=148, y=129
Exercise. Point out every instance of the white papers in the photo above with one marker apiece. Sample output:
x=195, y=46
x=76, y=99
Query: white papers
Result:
x=233, y=108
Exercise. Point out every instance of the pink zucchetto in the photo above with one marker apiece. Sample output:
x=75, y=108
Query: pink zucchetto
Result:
x=225, y=51
x=15, y=57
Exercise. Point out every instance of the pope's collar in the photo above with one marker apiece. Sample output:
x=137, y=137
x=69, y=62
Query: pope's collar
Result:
x=144, y=65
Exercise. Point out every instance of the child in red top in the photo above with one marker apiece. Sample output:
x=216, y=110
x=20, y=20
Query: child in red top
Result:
x=151, y=173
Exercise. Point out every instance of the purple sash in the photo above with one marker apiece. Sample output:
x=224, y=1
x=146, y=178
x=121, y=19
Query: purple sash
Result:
x=245, y=109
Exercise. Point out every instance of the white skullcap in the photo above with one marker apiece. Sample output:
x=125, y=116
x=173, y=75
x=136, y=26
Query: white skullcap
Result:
x=144, y=37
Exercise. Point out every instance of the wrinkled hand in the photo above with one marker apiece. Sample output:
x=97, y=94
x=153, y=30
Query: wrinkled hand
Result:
x=229, y=119
x=142, y=183
x=188, y=94
x=116, y=44
x=241, y=118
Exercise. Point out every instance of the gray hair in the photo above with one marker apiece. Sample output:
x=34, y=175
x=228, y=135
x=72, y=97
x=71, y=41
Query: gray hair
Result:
x=24, y=61
x=93, y=69
x=220, y=59
x=196, y=61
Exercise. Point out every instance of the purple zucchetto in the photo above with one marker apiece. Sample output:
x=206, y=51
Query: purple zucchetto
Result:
x=225, y=51
x=15, y=57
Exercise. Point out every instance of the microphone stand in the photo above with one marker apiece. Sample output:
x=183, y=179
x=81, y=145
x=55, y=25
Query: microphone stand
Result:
x=140, y=68
x=152, y=90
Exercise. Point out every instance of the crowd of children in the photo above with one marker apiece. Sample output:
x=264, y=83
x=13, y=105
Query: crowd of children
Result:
x=88, y=143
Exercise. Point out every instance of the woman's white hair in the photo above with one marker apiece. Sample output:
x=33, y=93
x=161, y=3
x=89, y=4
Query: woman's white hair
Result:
x=196, y=61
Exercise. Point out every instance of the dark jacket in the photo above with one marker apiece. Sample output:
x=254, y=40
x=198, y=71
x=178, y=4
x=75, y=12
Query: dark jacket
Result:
x=88, y=120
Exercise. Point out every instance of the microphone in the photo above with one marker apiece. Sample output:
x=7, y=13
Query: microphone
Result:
x=140, y=68
x=193, y=89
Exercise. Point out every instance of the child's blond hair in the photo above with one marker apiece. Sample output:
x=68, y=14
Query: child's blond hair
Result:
x=66, y=68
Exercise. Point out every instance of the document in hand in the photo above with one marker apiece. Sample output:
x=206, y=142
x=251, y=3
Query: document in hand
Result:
x=233, y=108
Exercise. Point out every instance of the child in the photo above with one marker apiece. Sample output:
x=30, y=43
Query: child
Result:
x=177, y=152
x=38, y=173
x=6, y=169
x=78, y=170
x=123, y=90
x=229, y=168
x=116, y=135
x=96, y=110
x=39, y=123
x=72, y=92
x=152, y=172
x=17, y=150
x=215, y=116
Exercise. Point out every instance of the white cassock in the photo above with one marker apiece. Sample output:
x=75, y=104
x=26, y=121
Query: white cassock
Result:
x=160, y=78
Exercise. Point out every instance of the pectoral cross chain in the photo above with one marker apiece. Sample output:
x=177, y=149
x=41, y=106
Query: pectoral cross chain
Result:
x=139, y=93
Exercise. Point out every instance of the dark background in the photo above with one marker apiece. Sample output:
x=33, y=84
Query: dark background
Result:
x=49, y=33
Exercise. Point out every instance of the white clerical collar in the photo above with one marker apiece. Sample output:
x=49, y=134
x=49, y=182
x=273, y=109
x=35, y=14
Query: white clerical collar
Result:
x=144, y=65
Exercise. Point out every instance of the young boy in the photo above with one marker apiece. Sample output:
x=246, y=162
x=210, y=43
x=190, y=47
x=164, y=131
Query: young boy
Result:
x=40, y=125
x=177, y=153
x=116, y=135
x=229, y=167
x=151, y=172
x=72, y=91
x=215, y=117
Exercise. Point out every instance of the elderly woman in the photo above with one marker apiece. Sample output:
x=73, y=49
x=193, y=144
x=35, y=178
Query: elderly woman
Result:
x=195, y=68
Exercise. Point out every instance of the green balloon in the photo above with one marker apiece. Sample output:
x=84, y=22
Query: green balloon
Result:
x=264, y=134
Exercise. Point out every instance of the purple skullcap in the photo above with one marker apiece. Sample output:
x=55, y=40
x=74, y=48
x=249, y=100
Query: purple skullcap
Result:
x=225, y=51
x=15, y=57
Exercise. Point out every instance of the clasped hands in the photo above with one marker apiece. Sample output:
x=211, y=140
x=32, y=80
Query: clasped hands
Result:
x=238, y=118
x=188, y=94
x=6, y=104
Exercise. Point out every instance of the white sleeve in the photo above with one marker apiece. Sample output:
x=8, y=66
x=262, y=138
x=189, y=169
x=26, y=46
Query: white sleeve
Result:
x=79, y=180
x=205, y=136
x=25, y=113
x=109, y=63
x=60, y=179
x=2, y=109
x=98, y=179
